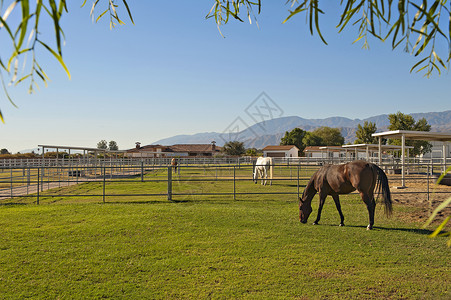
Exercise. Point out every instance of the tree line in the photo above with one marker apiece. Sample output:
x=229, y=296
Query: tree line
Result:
x=322, y=136
x=327, y=136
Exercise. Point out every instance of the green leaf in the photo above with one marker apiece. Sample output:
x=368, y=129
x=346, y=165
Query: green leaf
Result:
x=101, y=15
x=317, y=10
x=94, y=4
x=128, y=11
x=436, y=210
x=58, y=57
x=361, y=36
x=24, y=24
x=300, y=8
x=440, y=228
x=418, y=63
x=7, y=96
x=56, y=17
x=22, y=79
x=4, y=24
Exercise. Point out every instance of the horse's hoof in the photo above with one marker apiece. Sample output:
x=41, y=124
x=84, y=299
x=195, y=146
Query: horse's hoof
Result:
x=315, y=223
x=369, y=227
x=341, y=224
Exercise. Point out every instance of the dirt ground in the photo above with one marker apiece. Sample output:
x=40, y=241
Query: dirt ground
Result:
x=418, y=193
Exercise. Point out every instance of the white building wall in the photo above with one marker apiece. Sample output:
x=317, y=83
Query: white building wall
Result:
x=437, y=149
x=293, y=152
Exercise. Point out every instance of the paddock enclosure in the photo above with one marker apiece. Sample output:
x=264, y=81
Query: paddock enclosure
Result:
x=127, y=180
x=209, y=232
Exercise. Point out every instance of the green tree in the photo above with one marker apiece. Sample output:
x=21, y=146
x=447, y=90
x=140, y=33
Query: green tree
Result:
x=329, y=136
x=363, y=133
x=251, y=152
x=112, y=145
x=4, y=151
x=402, y=22
x=400, y=121
x=234, y=148
x=102, y=145
x=294, y=137
x=311, y=139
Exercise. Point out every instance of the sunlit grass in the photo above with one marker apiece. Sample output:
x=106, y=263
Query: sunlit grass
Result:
x=202, y=245
x=212, y=246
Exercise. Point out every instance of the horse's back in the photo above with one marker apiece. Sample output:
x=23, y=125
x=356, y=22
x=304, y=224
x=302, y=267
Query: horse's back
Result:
x=264, y=161
x=346, y=178
x=361, y=174
x=335, y=178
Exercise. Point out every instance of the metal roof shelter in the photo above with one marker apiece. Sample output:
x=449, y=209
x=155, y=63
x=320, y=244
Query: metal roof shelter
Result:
x=330, y=149
x=412, y=135
x=69, y=148
x=374, y=147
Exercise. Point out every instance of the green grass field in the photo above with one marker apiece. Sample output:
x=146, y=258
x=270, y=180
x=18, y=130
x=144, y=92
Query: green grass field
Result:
x=212, y=247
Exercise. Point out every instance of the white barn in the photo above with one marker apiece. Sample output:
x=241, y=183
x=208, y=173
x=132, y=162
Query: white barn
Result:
x=281, y=151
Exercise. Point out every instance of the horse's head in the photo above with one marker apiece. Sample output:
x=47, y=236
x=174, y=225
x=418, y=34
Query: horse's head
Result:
x=305, y=209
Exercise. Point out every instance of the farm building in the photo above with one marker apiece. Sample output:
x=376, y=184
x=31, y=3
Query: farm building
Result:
x=352, y=152
x=438, y=151
x=179, y=150
x=281, y=151
x=371, y=151
x=324, y=152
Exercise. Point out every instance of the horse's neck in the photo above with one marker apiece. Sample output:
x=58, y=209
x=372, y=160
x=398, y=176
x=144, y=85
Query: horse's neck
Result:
x=310, y=191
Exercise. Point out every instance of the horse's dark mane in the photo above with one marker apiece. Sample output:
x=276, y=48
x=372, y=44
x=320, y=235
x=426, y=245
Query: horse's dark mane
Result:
x=310, y=184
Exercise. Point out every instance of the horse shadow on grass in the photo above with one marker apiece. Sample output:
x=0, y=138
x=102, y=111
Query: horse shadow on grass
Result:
x=135, y=202
x=13, y=204
x=375, y=228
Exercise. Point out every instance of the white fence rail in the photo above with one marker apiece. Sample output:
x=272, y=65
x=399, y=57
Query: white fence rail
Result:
x=26, y=180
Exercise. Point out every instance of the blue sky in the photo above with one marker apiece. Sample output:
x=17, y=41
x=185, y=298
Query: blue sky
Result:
x=173, y=73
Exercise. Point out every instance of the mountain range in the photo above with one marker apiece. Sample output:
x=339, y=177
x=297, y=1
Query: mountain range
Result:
x=270, y=132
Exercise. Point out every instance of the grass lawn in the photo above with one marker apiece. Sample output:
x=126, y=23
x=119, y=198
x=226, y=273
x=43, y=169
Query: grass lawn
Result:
x=213, y=247
x=218, y=249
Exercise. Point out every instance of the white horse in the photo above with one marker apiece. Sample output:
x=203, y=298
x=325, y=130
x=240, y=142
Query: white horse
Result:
x=262, y=166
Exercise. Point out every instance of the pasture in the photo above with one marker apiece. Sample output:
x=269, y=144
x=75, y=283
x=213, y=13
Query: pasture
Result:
x=211, y=246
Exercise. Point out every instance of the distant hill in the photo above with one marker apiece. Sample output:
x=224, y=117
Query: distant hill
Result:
x=271, y=131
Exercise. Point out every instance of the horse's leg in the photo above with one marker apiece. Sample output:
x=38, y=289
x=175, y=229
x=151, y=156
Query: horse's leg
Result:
x=264, y=176
x=370, y=205
x=337, y=204
x=322, y=199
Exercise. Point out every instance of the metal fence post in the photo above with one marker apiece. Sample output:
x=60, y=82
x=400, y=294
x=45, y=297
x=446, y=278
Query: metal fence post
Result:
x=142, y=171
x=42, y=177
x=11, y=174
x=427, y=179
x=234, y=183
x=37, y=185
x=104, y=183
x=170, y=183
x=298, y=180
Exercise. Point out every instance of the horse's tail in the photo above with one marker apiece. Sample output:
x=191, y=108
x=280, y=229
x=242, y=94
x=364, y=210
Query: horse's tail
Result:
x=383, y=188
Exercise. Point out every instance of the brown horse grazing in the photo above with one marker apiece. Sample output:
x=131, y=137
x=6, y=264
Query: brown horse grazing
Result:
x=343, y=179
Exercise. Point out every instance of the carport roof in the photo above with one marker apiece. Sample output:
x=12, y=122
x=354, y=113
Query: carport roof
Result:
x=375, y=147
x=415, y=135
x=76, y=148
